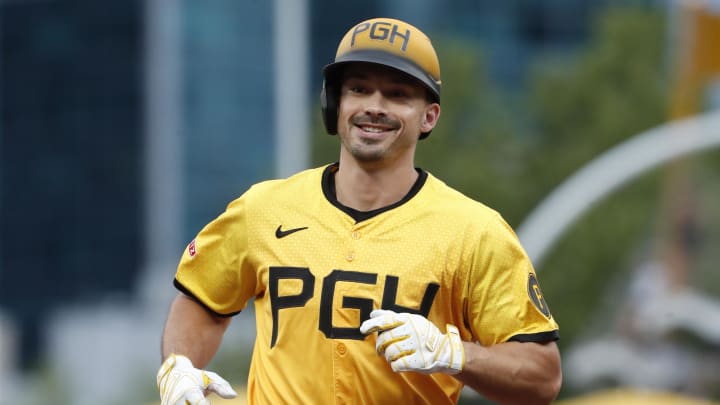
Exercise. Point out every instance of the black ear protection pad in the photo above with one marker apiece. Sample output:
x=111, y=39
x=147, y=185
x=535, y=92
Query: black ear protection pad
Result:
x=329, y=106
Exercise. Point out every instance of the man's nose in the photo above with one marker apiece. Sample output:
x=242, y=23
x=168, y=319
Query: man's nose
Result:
x=376, y=104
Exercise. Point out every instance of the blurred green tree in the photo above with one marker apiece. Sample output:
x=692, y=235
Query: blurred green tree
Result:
x=616, y=88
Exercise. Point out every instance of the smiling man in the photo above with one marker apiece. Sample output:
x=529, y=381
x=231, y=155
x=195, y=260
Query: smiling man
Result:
x=381, y=114
x=373, y=281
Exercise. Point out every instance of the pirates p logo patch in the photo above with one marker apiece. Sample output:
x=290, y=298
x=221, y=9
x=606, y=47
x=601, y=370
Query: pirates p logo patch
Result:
x=536, y=295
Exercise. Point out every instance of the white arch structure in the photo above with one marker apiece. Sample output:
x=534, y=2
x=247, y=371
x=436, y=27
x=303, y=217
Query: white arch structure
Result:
x=602, y=175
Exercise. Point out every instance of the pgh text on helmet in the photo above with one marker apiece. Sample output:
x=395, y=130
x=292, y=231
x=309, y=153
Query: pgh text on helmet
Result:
x=384, y=41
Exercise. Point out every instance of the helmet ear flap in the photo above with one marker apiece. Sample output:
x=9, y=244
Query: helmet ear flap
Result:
x=329, y=106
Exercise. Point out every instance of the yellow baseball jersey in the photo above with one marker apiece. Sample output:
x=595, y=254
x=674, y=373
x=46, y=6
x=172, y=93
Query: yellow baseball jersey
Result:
x=316, y=269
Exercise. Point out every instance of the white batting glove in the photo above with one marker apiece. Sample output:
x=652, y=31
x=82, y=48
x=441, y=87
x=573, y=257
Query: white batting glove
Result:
x=180, y=383
x=410, y=342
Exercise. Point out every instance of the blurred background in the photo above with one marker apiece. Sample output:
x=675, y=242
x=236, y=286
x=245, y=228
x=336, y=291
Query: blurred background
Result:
x=125, y=126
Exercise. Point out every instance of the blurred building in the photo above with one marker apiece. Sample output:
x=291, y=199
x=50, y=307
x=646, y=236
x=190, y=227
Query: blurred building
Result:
x=70, y=156
x=72, y=135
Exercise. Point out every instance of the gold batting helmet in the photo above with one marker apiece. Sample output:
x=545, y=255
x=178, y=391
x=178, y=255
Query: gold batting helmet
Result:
x=384, y=41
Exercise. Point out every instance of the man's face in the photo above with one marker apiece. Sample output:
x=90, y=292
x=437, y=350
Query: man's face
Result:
x=382, y=113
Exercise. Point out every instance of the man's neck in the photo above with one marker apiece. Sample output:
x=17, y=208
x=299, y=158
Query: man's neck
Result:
x=366, y=189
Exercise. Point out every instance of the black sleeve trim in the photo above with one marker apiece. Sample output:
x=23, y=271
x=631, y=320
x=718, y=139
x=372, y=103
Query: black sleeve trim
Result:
x=539, y=337
x=189, y=293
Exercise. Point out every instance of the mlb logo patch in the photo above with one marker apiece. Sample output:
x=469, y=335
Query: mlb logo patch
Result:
x=191, y=248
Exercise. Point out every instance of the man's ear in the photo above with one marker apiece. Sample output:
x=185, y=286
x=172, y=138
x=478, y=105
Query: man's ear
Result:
x=430, y=118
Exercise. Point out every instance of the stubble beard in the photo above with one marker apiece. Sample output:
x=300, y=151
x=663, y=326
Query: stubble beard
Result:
x=367, y=152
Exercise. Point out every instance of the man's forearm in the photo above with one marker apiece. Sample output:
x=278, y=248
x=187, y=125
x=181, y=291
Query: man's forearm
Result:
x=513, y=373
x=192, y=331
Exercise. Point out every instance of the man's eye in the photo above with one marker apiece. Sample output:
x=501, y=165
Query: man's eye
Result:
x=398, y=93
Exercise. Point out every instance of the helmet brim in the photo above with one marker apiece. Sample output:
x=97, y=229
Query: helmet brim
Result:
x=332, y=71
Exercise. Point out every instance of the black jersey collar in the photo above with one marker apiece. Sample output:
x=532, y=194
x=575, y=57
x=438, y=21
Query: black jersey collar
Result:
x=328, y=187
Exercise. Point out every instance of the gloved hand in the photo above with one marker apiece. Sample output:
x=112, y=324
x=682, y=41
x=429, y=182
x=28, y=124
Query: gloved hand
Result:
x=410, y=342
x=180, y=383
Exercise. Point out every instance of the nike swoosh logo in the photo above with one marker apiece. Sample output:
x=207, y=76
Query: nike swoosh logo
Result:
x=279, y=233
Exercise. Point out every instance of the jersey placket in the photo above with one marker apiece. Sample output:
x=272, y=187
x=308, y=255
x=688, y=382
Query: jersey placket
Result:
x=342, y=363
x=342, y=373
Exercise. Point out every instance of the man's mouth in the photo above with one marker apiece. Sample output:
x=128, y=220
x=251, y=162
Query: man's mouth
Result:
x=376, y=125
x=373, y=129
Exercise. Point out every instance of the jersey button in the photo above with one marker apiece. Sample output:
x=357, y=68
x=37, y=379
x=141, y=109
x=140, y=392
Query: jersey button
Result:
x=355, y=235
x=350, y=256
x=341, y=349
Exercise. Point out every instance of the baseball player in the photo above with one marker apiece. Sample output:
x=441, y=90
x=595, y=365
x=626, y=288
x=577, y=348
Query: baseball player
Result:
x=373, y=281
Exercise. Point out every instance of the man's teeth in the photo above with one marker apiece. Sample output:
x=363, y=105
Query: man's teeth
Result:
x=372, y=129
